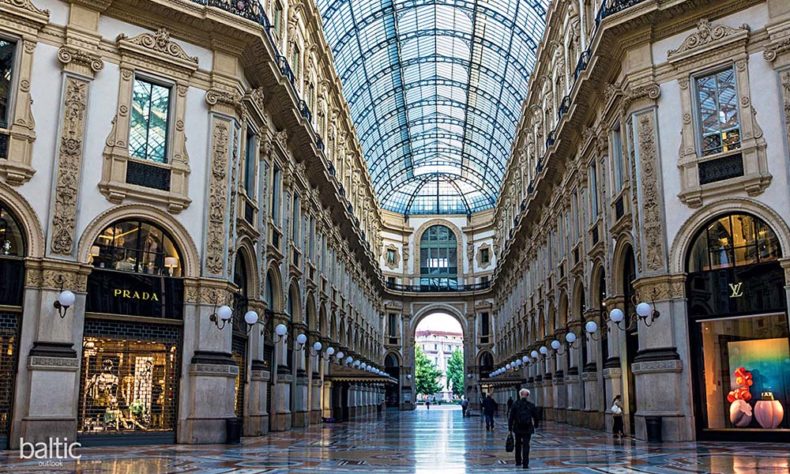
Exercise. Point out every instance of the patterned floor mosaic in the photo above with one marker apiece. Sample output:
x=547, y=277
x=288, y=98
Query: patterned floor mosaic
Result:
x=435, y=441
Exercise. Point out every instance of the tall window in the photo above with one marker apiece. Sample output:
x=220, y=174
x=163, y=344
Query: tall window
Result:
x=7, y=56
x=277, y=19
x=148, y=127
x=295, y=220
x=593, y=191
x=295, y=62
x=249, y=165
x=275, y=201
x=484, y=324
x=618, y=167
x=717, y=112
x=393, y=324
x=438, y=258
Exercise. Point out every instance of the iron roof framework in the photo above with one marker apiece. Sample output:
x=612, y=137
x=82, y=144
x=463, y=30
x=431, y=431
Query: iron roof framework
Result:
x=435, y=89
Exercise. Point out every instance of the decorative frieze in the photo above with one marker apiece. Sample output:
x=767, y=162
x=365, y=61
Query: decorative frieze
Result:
x=651, y=194
x=218, y=198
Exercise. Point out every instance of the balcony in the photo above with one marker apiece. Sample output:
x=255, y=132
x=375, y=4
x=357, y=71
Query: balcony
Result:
x=438, y=288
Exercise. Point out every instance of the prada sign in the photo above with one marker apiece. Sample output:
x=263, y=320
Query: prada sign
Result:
x=752, y=289
x=135, y=294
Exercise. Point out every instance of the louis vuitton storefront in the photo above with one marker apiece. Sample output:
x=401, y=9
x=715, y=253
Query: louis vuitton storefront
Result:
x=739, y=330
x=132, y=337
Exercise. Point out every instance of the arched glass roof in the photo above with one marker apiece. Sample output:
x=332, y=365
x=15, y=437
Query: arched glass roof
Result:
x=435, y=89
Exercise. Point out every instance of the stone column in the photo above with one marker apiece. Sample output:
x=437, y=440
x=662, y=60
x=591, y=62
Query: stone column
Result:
x=612, y=370
x=257, y=415
x=326, y=399
x=591, y=380
x=315, y=389
x=299, y=415
x=281, y=390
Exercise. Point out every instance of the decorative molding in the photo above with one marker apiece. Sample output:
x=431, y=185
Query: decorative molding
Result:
x=159, y=43
x=58, y=364
x=69, y=166
x=654, y=249
x=218, y=197
x=707, y=36
x=26, y=6
x=68, y=55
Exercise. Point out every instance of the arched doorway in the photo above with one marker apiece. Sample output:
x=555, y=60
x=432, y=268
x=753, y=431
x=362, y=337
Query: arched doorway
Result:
x=13, y=250
x=392, y=367
x=273, y=307
x=631, y=336
x=738, y=325
x=439, y=370
x=239, y=334
x=130, y=368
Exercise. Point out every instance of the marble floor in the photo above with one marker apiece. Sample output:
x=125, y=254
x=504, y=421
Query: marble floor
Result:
x=438, y=440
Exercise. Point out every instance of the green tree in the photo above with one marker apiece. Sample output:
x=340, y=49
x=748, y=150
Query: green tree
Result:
x=427, y=374
x=455, y=372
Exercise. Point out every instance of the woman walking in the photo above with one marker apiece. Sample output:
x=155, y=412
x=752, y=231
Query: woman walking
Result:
x=617, y=417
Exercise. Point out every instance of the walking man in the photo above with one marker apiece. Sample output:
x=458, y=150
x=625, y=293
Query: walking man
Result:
x=489, y=407
x=522, y=422
x=464, y=406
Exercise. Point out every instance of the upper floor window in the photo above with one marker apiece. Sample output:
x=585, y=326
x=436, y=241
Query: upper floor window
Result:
x=731, y=241
x=485, y=255
x=136, y=246
x=717, y=112
x=594, y=208
x=295, y=61
x=391, y=256
x=275, y=198
x=149, y=122
x=618, y=165
x=249, y=165
x=7, y=58
x=438, y=258
x=277, y=19
x=295, y=219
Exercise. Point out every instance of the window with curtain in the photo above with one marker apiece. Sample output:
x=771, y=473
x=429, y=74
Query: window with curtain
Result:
x=148, y=127
x=438, y=258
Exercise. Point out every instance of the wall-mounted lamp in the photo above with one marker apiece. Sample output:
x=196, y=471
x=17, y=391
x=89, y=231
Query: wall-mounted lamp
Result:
x=408, y=376
x=316, y=350
x=340, y=357
x=591, y=329
x=535, y=356
x=65, y=300
x=349, y=360
x=301, y=339
x=643, y=312
x=280, y=330
x=223, y=315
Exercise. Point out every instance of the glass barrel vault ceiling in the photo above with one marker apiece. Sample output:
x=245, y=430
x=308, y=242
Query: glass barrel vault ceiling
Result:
x=435, y=89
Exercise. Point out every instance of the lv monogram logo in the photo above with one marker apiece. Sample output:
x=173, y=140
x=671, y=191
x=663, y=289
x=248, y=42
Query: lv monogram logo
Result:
x=735, y=290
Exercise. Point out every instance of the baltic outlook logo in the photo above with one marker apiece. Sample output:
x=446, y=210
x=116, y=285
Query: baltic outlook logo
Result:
x=49, y=454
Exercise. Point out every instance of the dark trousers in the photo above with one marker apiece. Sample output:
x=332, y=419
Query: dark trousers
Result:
x=522, y=448
x=489, y=420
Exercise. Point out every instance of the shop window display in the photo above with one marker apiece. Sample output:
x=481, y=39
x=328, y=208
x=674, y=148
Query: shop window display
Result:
x=127, y=386
x=136, y=246
x=738, y=310
x=746, y=372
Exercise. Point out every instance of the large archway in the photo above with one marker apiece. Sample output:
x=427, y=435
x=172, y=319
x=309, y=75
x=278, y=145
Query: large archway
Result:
x=439, y=369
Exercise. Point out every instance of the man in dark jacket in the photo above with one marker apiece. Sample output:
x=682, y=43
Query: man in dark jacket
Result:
x=522, y=422
x=489, y=407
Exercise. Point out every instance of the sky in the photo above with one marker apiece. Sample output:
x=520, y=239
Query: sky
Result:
x=440, y=322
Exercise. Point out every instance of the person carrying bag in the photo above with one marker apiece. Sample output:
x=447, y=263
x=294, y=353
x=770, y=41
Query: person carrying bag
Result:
x=522, y=422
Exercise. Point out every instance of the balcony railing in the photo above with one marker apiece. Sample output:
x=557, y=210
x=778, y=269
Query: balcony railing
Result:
x=285, y=68
x=438, y=288
x=305, y=111
x=611, y=7
x=565, y=105
x=584, y=60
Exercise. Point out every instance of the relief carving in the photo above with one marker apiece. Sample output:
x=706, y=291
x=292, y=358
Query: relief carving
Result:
x=26, y=5
x=651, y=195
x=705, y=35
x=217, y=200
x=69, y=164
x=159, y=42
x=68, y=54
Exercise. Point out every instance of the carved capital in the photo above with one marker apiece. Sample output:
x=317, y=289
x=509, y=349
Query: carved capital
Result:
x=90, y=61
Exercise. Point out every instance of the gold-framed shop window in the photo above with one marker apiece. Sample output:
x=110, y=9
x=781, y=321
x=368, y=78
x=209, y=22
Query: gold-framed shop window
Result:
x=145, y=155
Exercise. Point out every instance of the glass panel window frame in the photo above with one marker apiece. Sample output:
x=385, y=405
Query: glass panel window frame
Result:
x=9, y=72
x=155, y=84
x=726, y=136
x=250, y=164
x=618, y=163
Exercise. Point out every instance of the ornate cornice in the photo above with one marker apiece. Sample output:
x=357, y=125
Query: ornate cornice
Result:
x=707, y=35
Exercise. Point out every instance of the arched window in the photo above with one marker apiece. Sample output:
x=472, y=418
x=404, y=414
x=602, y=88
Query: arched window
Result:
x=438, y=258
x=136, y=246
x=733, y=240
x=12, y=242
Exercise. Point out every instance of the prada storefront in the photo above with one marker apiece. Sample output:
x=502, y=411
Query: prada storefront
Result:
x=739, y=330
x=132, y=338
x=12, y=276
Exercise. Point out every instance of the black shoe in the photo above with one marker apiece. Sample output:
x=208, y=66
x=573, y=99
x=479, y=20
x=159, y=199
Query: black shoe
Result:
x=526, y=466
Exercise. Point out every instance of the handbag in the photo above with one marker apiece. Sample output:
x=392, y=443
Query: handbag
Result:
x=509, y=443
